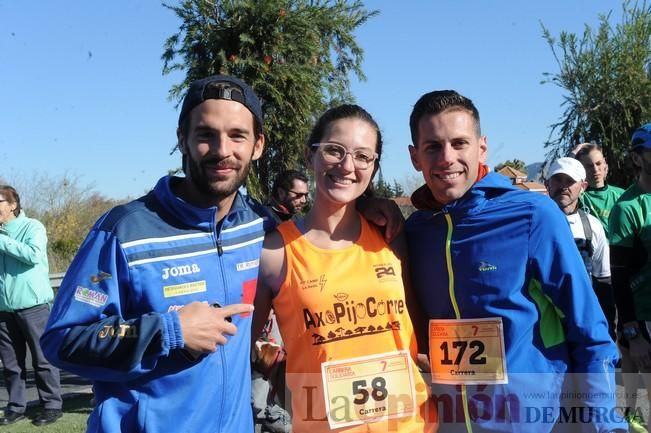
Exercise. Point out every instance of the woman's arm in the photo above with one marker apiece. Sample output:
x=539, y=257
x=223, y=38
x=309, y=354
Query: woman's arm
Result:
x=399, y=247
x=270, y=276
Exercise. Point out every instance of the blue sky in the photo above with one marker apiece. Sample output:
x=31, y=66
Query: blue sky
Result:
x=83, y=92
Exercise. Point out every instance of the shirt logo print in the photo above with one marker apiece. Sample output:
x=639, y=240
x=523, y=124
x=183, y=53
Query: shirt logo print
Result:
x=486, y=267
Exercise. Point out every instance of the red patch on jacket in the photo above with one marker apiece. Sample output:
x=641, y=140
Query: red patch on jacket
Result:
x=248, y=293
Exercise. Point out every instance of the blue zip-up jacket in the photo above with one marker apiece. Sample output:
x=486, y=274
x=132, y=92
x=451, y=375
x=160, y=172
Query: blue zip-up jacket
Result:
x=499, y=251
x=115, y=320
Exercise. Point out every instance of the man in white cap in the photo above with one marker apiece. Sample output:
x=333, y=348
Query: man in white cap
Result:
x=566, y=181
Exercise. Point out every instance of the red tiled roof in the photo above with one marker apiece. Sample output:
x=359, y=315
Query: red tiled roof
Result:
x=530, y=185
x=511, y=172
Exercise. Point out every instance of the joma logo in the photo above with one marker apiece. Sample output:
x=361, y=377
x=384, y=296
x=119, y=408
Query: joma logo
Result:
x=119, y=331
x=177, y=271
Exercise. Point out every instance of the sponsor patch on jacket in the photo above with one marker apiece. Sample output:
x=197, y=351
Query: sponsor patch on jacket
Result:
x=101, y=276
x=247, y=265
x=248, y=293
x=91, y=297
x=184, y=289
x=486, y=267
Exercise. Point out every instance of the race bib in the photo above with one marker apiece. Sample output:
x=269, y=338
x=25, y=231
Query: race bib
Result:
x=368, y=389
x=467, y=351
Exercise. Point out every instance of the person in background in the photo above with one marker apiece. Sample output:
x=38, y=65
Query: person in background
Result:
x=25, y=296
x=337, y=290
x=289, y=194
x=598, y=200
x=599, y=197
x=630, y=255
x=565, y=185
x=497, y=272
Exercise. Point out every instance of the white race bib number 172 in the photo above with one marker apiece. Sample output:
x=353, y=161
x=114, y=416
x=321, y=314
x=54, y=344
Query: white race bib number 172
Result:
x=467, y=351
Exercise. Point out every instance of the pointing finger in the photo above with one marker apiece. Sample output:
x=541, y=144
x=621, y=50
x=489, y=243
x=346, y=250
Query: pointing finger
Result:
x=234, y=309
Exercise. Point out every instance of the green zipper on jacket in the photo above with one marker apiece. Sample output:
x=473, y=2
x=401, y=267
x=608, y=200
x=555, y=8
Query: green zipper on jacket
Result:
x=457, y=313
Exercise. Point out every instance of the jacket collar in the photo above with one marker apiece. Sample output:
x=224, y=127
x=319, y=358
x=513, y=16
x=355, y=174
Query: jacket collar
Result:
x=16, y=222
x=487, y=184
x=197, y=217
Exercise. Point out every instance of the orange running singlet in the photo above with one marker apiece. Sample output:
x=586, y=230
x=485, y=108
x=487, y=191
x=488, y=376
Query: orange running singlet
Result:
x=335, y=305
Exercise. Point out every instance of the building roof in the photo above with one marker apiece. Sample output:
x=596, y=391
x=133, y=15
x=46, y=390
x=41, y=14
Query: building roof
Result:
x=511, y=172
x=402, y=201
x=530, y=185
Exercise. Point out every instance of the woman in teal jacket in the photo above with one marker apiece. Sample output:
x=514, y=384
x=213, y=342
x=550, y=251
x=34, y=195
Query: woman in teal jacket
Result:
x=25, y=294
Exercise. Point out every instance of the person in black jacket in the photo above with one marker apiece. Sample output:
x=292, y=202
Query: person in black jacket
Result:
x=289, y=194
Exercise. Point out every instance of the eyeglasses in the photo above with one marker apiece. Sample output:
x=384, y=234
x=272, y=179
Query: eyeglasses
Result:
x=299, y=194
x=334, y=153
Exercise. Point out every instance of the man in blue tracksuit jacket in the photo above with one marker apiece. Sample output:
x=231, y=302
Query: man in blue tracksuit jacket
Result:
x=511, y=308
x=155, y=307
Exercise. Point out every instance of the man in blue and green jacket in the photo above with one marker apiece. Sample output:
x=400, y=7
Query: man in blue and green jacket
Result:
x=517, y=340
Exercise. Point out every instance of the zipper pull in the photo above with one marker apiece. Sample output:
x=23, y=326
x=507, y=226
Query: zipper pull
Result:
x=220, y=251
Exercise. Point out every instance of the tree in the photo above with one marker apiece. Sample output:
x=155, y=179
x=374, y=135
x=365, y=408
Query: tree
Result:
x=67, y=209
x=513, y=163
x=398, y=190
x=605, y=73
x=384, y=189
x=381, y=188
x=296, y=54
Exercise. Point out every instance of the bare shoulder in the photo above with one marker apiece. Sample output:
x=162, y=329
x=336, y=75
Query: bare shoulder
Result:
x=272, y=261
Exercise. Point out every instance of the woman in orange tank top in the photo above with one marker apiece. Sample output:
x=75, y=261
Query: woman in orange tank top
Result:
x=340, y=301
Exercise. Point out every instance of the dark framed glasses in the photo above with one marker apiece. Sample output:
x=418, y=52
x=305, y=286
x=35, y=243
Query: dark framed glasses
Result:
x=297, y=194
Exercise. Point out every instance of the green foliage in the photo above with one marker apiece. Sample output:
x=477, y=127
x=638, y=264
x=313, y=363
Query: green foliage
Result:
x=296, y=54
x=605, y=73
x=513, y=163
x=384, y=189
x=398, y=190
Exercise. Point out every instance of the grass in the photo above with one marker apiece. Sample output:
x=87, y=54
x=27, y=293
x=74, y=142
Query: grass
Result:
x=75, y=413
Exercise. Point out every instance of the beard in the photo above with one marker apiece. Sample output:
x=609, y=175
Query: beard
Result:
x=293, y=209
x=564, y=201
x=222, y=186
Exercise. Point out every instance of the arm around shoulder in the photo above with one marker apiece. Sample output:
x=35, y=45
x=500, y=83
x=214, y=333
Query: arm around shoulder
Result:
x=418, y=320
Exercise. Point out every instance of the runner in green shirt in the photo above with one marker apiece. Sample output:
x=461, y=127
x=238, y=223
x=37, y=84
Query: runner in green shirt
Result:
x=630, y=245
x=600, y=197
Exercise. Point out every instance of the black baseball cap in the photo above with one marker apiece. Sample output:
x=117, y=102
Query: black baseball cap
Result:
x=221, y=87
